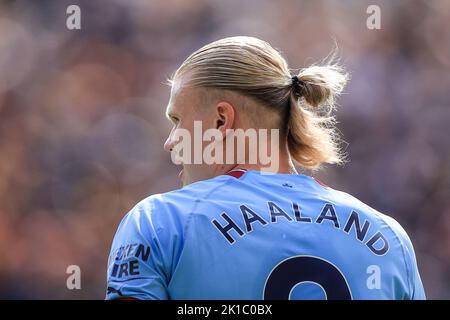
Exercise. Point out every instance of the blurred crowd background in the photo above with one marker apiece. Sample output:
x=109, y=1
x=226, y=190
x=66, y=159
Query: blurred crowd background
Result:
x=82, y=121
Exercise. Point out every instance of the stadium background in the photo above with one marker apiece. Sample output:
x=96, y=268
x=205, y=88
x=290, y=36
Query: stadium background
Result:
x=82, y=120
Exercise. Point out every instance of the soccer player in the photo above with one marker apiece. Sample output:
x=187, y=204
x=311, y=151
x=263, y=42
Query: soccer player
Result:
x=246, y=230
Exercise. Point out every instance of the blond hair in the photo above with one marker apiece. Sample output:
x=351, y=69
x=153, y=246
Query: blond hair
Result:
x=253, y=68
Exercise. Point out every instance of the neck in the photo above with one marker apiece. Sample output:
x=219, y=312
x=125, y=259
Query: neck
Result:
x=281, y=164
x=285, y=165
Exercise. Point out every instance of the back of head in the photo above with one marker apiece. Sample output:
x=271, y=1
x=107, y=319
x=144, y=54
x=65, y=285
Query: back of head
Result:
x=254, y=69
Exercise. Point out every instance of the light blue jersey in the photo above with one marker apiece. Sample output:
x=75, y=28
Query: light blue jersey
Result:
x=279, y=236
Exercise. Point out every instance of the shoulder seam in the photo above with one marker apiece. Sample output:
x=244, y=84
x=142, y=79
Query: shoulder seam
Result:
x=198, y=200
x=408, y=273
x=188, y=222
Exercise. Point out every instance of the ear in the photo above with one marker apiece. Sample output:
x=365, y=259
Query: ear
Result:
x=225, y=115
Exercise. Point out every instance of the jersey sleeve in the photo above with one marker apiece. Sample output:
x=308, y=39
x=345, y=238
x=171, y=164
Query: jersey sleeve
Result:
x=416, y=289
x=137, y=264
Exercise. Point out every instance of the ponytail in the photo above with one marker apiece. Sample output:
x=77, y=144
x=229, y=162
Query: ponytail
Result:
x=312, y=138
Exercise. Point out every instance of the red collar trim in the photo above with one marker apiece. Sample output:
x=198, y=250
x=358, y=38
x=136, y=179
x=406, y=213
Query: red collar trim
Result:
x=237, y=173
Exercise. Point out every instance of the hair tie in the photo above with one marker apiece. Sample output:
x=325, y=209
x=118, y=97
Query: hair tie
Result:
x=298, y=85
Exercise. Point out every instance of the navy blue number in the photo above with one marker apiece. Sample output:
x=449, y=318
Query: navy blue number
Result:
x=304, y=268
